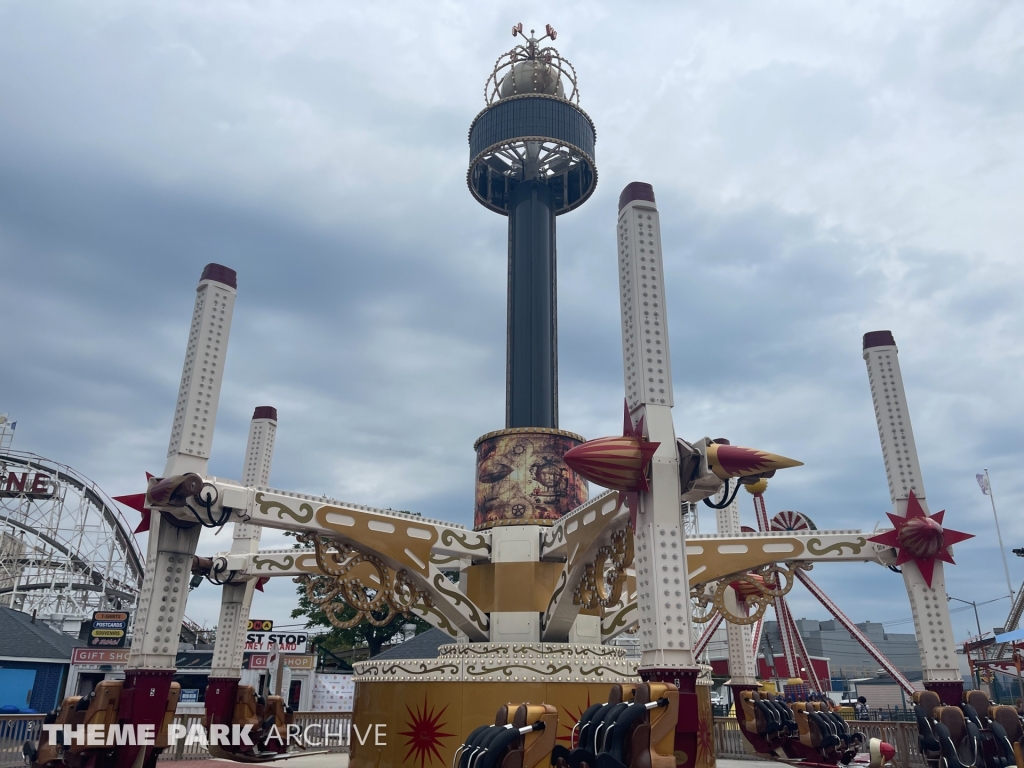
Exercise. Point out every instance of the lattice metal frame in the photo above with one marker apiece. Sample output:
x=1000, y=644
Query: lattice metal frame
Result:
x=67, y=553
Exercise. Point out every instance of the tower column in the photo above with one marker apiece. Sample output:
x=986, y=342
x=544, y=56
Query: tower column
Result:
x=236, y=599
x=151, y=661
x=532, y=365
x=742, y=657
x=939, y=665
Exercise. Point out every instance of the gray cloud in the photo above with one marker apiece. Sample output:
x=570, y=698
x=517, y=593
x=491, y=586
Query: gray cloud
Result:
x=821, y=172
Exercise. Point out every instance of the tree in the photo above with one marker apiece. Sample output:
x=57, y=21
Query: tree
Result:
x=363, y=634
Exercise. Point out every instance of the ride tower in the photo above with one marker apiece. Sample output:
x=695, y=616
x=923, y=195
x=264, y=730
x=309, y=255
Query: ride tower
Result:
x=531, y=159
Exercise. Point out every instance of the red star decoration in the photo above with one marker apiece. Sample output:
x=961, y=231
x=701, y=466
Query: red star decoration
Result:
x=647, y=449
x=575, y=719
x=137, y=501
x=261, y=581
x=424, y=734
x=920, y=537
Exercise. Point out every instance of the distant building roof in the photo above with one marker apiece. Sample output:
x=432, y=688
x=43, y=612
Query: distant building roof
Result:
x=23, y=639
x=424, y=646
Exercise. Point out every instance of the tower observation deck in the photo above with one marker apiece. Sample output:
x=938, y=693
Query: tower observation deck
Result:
x=532, y=158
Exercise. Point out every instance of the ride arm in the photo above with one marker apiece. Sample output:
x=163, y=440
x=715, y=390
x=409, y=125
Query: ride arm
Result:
x=585, y=531
x=712, y=557
x=404, y=542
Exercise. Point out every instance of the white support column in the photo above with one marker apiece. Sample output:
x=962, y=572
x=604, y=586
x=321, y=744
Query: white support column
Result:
x=515, y=544
x=236, y=599
x=663, y=593
x=903, y=471
x=742, y=656
x=171, y=548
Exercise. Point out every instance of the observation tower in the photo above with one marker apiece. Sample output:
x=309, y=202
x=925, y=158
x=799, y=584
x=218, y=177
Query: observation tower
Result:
x=531, y=155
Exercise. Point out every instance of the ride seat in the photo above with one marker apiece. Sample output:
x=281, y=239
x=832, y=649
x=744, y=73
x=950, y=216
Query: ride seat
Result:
x=47, y=751
x=957, y=737
x=619, y=736
x=479, y=737
x=980, y=702
x=1006, y=719
x=828, y=738
x=162, y=738
x=512, y=745
x=245, y=707
x=652, y=743
x=803, y=724
x=275, y=708
x=749, y=713
x=537, y=745
x=768, y=721
x=102, y=708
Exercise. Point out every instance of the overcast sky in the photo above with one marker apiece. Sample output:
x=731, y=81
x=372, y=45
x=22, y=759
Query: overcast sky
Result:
x=822, y=170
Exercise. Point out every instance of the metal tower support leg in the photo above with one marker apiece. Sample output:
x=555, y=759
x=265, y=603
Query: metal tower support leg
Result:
x=854, y=630
x=742, y=661
x=236, y=599
x=532, y=366
x=663, y=591
x=151, y=662
x=932, y=624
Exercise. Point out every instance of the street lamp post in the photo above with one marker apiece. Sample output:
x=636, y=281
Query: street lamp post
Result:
x=978, y=622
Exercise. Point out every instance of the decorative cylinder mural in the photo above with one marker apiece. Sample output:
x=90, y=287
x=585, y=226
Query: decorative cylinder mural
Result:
x=521, y=478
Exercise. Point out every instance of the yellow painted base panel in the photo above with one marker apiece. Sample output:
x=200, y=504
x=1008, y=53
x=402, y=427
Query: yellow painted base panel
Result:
x=421, y=724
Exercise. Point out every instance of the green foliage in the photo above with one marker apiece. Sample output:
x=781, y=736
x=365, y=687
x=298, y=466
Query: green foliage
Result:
x=362, y=635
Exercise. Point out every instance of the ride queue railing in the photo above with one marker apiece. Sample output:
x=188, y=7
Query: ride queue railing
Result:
x=729, y=742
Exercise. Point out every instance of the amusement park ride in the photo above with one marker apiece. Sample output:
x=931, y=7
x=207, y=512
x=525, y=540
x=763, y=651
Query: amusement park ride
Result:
x=600, y=566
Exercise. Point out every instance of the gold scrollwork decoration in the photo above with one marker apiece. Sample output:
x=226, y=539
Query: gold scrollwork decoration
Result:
x=286, y=563
x=603, y=580
x=267, y=506
x=815, y=548
x=757, y=589
x=449, y=537
x=360, y=581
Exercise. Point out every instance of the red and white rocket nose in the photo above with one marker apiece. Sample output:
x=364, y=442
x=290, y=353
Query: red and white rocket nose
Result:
x=618, y=463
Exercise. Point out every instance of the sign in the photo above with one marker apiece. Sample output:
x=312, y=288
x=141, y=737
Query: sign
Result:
x=109, y=629
x=259, y=625
x=98, y=656
x=287, y=642
x=259, y=661
x=189, y=696
x=35, y=485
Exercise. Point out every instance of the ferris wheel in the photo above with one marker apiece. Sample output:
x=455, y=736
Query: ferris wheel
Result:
x=65, y=548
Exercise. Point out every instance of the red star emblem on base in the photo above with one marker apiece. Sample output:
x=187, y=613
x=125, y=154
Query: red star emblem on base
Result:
x=920, y=537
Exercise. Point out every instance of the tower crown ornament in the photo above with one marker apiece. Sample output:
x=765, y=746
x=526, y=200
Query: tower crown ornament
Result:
x=530, y=68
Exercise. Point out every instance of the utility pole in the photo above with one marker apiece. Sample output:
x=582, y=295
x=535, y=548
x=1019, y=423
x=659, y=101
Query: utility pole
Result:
x=999, y=535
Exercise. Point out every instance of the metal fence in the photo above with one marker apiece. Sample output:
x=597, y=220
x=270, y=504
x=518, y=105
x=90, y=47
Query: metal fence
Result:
x=15, y=730
x=729, y=742
x=331, y=729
